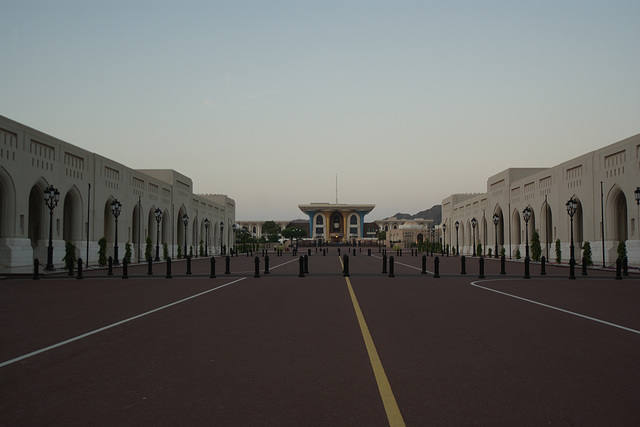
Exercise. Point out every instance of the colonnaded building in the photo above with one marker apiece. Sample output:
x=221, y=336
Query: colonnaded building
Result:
x=603, y=183
x=337, y=222
x=155, y=203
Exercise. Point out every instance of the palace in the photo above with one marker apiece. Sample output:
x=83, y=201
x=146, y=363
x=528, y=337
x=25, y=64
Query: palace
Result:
x=337, y=223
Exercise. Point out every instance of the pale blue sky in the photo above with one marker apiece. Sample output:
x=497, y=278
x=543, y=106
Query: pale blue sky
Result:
x=407, y=101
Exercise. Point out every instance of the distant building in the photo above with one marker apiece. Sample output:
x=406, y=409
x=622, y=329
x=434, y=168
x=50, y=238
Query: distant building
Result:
x=406, y=232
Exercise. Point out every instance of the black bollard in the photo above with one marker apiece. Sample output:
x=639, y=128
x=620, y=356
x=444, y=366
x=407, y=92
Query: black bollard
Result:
x=306, y=264
x=79, y=268
x=391, y=267
x=110, y=269
x=301, y=263
x=503, y=263
x=384, y=263
x=125, y=268
x=572, y=269
x=256, y=261
x=188, y=264
x=266, y=264
x=168, y=276
x=212, y=275
x=625, y=266
x=436, y=268
x=228, y=265
x=543, y=264
x=526, y=268
x=309, y=252
x=324, y=252
x=618, y=269
x=345, y=261
x=481, y=264
x=36, y=269
x=584, y=266
x=463, y=265
x=149, y=266
x=424, y=265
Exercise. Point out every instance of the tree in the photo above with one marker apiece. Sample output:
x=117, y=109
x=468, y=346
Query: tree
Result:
x=69, y=255
x=536, y=249
x=586, y=253
x=201, y=249
x=518, y=256
x=147, y=249
x=165, y=251
x=622, y=250
x=102, y=252
x=127, y=252
x=382, y=235
x=558, y=252
x=479, y=249
x=294, y=233
x=271, y=229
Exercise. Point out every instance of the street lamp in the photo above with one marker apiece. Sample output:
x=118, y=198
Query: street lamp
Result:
x=572, y=206
x=526, y=214
x=221, y=229
x=457, y=249
x=51, y=197
x=496, y=219
x=444, y=238
x=474, y=222
x=116, y=208
x=185, y=220
x=158, y=214
x=206, y=242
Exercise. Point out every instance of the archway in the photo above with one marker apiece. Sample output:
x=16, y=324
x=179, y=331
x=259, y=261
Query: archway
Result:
x=516, y=231
x=617, y=215
x=546, y=233
x=72, y=216
x=38, y=224
x=180, y=235
x=7, y=204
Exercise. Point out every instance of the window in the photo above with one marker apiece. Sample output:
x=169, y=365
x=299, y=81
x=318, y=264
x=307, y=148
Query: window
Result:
x=319, y=220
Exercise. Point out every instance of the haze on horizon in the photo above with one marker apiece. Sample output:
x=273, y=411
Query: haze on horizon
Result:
x=408, y=101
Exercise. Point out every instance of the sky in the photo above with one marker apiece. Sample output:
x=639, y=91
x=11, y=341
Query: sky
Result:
x=406, y=102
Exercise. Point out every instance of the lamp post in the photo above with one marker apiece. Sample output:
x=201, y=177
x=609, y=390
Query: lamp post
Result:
x=116, y=208
x=158, y=214
x=496, y=219
x=474, y=222
x=572, y=206
x=51, y=197
x=444, y=238
x=185, y=220
x=637, y=195
x=457, y=227
x=206, y=238
x=221, y=229
x=526, y=214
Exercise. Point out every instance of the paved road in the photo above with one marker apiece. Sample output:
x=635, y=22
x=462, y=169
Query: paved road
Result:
x=285, y=350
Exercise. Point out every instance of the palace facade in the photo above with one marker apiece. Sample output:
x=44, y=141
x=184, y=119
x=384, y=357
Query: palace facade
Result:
x=337, y=223
x=88, y=185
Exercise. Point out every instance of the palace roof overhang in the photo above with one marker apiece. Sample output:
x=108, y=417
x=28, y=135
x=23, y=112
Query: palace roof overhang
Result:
x=341, y=207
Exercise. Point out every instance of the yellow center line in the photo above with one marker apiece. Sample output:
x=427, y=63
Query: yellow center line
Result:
x=388, y=399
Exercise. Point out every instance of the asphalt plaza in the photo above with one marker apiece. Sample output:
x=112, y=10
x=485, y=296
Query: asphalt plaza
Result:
x=289, y=350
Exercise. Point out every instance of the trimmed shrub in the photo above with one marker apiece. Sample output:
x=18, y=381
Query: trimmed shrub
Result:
x=536, y=249
x=102, y=252
x=586, y=253
x=69, y=255
x=622, y=250
x=558, y=252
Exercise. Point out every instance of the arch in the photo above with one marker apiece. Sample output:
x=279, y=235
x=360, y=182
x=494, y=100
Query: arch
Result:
x=165, y=227
x=578, y=225
x=532, y=224
x=484, y=234
x=38, y=225
x=546, y=231
x=7, y=204
x=616, y=215
x=354, y=222
x=180, y=235
x=109, y=227
x=72, y=215
x=152, y=229
x=499, y=233
x=516, y=228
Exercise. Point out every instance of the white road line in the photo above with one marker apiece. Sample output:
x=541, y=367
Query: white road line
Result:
x=552, y=307
x=104, y=328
